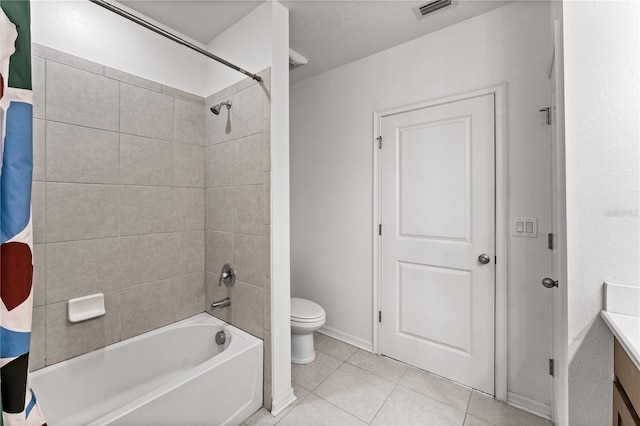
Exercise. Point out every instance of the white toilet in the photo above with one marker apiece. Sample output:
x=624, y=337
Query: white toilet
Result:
x=306, y=317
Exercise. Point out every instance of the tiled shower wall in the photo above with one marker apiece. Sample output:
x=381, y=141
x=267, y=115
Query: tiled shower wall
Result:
x=238, y=213
x=118, y=203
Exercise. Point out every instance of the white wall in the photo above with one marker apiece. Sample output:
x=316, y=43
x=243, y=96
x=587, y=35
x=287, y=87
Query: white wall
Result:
x=280, y=220
x=86, y=30
x=247, y=44
x=602, y=95
x=257, y=41
x=331, y=170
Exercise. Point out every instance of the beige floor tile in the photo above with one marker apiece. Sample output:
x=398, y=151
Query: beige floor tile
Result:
x=382, y=366
x=406, y=407
x=437, y=388
x=333, y=347
x=474, y=421
x=488, y=409
x=309, y=376
x=356, y=391
x=263, y=417
x=314, y=410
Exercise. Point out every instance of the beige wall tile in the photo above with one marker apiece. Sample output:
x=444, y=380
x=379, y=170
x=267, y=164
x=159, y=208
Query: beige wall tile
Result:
x=247, y=258
x=189, y=122
x=266, y=144
x=38, y=210
x=224, y=94
x=246, y=308
x=219, y=250
x=81, y=154
x=266, y=395
x=145, y=161
x=65, y=340
x=145, y=307
x=188, y=295
x=266, y=198
x=39, y=265
x=80, y=268
x=189, y=252
x=220, y=164
x=66, y=59
x=37, y=85
x=247, y=209
x=266, y=291
x=146, y=210
x=37, y=348
x=180, y=94
x=80, y=211
x=132, y=79
x=266, y=92
x=266, y=252
x=38, y=149
x=247, y=112
x=247, y=163
x=189, y=208
x=189, y=168
x=145, y=113
x=266, y=338
x=219, y=214
x=80, y=97
x=146, y=258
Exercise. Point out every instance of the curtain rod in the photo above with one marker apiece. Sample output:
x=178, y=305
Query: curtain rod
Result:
x=164, y=33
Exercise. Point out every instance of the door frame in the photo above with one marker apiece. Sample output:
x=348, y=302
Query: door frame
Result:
x=499, y=92
x=559, y=333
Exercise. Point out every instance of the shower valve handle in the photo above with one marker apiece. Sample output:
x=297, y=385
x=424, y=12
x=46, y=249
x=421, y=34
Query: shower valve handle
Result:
x=227, y=275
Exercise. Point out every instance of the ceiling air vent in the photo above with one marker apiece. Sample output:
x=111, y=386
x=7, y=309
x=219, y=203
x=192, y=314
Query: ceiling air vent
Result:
x=431, y=6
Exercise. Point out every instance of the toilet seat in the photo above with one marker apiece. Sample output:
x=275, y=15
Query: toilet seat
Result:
x=306, y=311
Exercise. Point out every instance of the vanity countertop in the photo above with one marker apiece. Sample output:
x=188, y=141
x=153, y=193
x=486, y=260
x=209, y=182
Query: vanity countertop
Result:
x=626, y=328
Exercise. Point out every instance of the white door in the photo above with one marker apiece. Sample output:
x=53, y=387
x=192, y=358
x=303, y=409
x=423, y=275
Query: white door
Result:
x=438, y=217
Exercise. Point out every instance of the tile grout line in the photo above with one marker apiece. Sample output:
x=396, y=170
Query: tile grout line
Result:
x=466, y=411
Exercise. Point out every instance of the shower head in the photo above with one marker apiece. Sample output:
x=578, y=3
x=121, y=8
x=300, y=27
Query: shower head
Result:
x=216, y=108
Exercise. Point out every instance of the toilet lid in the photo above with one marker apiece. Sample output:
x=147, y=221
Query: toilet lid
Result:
x=303, y=309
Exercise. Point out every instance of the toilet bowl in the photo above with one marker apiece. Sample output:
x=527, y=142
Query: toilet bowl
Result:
x=306, y=317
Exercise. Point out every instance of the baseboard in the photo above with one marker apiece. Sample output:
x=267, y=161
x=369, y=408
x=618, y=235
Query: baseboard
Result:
x=278, y=405
x=347, y=338
x=529, y=405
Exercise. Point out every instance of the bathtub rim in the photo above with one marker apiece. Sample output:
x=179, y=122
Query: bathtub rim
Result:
x=241, y=342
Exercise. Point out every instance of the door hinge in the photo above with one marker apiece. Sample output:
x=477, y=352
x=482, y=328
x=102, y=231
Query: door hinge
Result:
x=379, y=139
x=551, y=367
x=547, y=110
x=379, y=316
x=380, y=229
x=550, y=241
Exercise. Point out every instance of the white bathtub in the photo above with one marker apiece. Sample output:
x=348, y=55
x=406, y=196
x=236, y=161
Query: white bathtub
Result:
x=175, y=375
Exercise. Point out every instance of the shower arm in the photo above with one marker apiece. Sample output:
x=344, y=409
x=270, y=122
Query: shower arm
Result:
x=172, y=37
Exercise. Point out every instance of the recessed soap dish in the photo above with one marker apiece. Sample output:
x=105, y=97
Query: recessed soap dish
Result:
x=87, y=307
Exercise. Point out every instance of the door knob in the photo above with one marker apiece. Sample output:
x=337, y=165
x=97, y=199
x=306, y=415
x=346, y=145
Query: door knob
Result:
x=549, y=283
x=484, y=259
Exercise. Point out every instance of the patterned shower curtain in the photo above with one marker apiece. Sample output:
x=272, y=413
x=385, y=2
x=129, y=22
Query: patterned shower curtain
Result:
x=19, y=406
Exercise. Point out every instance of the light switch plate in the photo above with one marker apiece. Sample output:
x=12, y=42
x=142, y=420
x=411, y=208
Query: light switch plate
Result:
x=524, y=227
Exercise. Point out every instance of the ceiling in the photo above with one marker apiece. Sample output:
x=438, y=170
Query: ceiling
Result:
x=328, y=33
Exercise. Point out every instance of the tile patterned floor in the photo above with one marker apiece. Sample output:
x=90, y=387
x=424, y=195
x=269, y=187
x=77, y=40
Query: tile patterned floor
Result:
x=348, y=386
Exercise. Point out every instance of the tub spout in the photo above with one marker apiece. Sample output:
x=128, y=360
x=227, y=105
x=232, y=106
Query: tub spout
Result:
x=221, y=303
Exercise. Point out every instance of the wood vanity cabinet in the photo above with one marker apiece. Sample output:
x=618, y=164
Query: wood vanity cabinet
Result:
x=626, y=388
